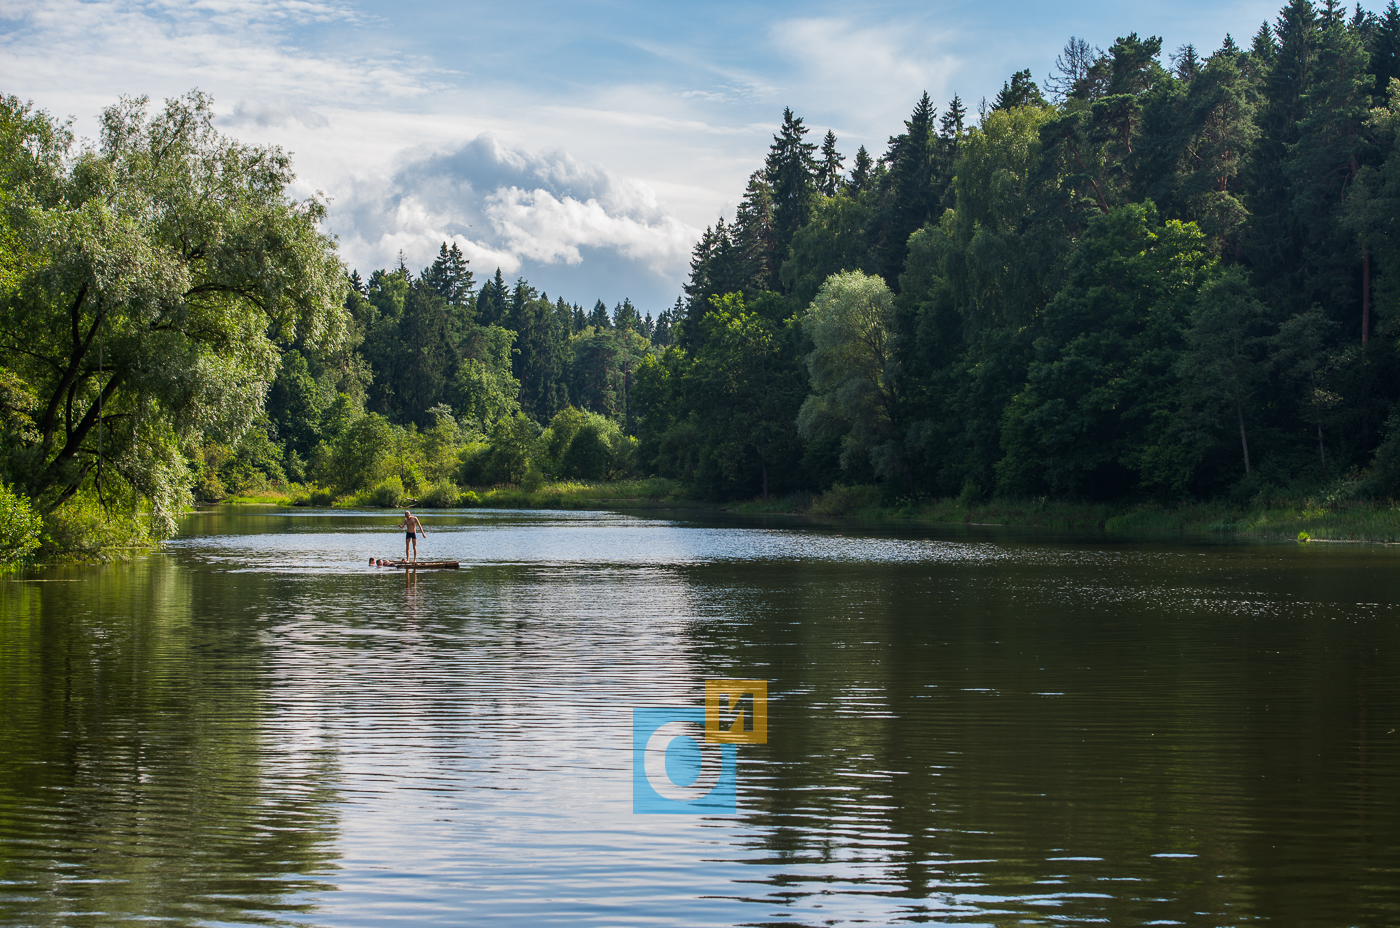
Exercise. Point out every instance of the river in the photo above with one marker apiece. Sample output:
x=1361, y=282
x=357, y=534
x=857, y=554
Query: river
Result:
x=964, y=725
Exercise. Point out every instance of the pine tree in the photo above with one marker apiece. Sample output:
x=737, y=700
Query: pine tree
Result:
x=1265, y=48
x=625, y=317
x=1186, y=63
x=491, y=301
x=860, y=171
x=754, y=243
x=915, y=183
x=791, y=174
x=829, y=169
x=950, y=124
x=1385, y=53
x=950, y=134
x=1019, y=91
x=449, y=275
x=599, y=317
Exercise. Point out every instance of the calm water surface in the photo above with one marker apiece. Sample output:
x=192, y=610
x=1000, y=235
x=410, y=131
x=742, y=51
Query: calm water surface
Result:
x=252, y=728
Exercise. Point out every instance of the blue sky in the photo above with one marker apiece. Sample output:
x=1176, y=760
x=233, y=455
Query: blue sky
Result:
x=582, y=145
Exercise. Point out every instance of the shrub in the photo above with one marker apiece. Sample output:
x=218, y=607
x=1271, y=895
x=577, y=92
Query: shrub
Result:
x=361, y=454
x=587, y=455
x=19, y=526
x=387, y=494
x=81, y=528
x=842, y=500
x=441, y=495
x=469, y=498
x=313, y=496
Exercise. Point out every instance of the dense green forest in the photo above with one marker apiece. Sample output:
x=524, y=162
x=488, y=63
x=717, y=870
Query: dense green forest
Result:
x=1153, y=275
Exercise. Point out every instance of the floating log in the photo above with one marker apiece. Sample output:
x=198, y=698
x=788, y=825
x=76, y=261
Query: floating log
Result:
x=415, y=565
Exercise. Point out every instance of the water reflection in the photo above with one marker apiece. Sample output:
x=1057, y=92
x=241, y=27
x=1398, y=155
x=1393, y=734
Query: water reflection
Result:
x=138, y=778
x=984, y=728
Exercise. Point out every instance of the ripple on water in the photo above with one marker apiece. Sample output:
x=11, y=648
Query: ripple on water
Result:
x=255, y=728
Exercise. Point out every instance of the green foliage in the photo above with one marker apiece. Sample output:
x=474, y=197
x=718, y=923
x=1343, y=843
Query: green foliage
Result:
x=843, y=500
x=313, y=496
x=20, y=526
x=854, y=373
x=441, y=495
x=387, y=494
x=169, y=263
x=361, y=455
x=1166, y=284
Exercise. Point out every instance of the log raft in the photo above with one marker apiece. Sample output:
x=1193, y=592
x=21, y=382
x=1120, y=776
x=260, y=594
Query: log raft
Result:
x=413, y=565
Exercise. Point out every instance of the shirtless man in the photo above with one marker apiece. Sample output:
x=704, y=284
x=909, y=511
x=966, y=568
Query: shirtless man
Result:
x=411, y=527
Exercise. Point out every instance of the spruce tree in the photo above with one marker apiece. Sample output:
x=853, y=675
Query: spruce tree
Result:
x=791, y=174
x=1019, y=91
x=491, y=301
x=829, y=169
x=449, y=275
x=599, y=317
x=754, y=244
x=860, y=171
x=916, y=185
x=1385, y=53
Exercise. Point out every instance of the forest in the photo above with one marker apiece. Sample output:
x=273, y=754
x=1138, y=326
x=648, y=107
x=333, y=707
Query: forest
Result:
x=1153, y=275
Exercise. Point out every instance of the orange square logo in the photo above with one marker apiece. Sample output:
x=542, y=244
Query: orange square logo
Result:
x=736, y=711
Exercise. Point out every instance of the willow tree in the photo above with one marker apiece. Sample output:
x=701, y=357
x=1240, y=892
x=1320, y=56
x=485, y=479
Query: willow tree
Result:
x=151, y=276
x=854, y=373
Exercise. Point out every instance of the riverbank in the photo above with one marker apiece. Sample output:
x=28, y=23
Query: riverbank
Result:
x=1333, y=520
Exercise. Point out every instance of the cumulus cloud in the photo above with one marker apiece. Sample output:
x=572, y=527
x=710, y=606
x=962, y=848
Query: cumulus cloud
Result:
x=269, y=114
x=546, y=214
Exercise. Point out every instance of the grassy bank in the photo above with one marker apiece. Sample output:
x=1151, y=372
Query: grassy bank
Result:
x=1332, y=520
x=651, y=493
x=1349, y=520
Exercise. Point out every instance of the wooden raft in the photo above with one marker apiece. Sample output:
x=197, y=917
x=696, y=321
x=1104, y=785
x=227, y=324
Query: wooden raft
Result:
x=414, y=565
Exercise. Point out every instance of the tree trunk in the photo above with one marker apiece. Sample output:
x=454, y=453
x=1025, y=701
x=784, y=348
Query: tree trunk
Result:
x=765, y=481
x=1320, y=452
x=1244, y=442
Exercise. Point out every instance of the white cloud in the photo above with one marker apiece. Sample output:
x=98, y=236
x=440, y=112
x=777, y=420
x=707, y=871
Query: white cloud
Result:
x=274, y=114
x=511, y=207
x=869, y=76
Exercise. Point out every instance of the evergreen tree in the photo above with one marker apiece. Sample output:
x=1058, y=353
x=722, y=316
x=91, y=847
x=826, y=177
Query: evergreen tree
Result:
x=950, y=124
x=599, y=318
x=860, y=171
x=422, y=369
x=1385, y=52
x=1186, y=63
x=625, y=316
x=449, y=275
x=791, y=175
x=916, y=185
x=829, y=168
x=1019, y=91
x=491, y=302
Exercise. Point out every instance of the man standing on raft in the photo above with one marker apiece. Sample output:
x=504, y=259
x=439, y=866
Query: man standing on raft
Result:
x=411, y=527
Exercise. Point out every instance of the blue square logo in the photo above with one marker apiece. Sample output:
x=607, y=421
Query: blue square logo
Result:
x=675, y=770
